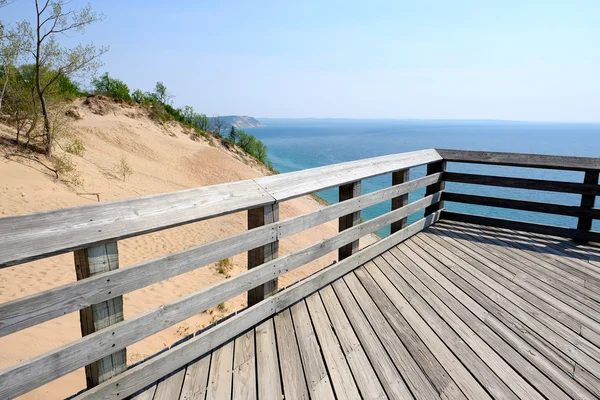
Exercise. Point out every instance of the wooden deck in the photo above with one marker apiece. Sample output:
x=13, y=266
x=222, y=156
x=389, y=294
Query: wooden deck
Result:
x=457, y=311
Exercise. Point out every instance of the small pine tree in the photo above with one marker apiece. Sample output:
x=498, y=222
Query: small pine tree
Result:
x=233, y=136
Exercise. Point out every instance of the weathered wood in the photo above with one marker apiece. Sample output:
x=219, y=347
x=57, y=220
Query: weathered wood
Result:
x=516, y=361
x=258, y=217
x=522, y=226
x=394, y=386
x=33, y=236
x=146, y=324
x=102, y=343
x=522, y=160
x=347, y=192
x=328, y=275
x=146, y=394
x=196, y=379
x=300, y=223
x=244, y=368
x=341, y=376
x=584, y=213
x=317, y=378
x=454, y=334
x=523, y=319
x=414, y=377
x=220, y=375
x=523, y=183
x=413, y=343
x=294, y=184
x=587, y=203
x=434, y=168
x=290, y=364
x=170, y=387
x=267, y=362
x=150, y=371
x=362, y=369
x=90, y=262
x=393, y=284
x=31, y=310
x=400, y=177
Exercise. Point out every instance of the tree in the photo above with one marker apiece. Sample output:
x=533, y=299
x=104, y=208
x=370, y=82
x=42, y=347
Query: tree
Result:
x=202, y=121
x=217, y=124
x=13, y=43
x=188, y=114
x=233, y=136
x=52, y=60
x=162, y=94
x=137, y=96
x=111, y=87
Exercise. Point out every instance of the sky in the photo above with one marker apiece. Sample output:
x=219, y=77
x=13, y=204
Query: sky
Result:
x=532, y=60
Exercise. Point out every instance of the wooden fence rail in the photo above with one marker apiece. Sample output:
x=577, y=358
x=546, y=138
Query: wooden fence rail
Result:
x=589, y=189
x=92, y=234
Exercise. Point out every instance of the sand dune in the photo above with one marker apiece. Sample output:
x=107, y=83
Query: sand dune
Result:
x=163, y=159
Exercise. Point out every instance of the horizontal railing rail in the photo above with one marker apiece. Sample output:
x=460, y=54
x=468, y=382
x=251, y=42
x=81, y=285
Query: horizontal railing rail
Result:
x=567, y=163
x=93, y=231
x=30, y=237
x=585, y=213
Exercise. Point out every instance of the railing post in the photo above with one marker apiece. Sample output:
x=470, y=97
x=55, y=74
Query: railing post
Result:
x=258, y=217
x=434, y=168
x=347, y=192
x=89, y=262
x=399, y=177
x=587, y=201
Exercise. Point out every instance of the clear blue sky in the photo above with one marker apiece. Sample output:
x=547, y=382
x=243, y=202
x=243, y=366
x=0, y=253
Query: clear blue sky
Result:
x=520, y=60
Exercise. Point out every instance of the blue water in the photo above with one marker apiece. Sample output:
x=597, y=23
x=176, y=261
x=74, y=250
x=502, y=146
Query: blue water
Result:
x=295, y=144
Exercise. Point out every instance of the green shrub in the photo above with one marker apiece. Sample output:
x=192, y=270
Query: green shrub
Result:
x=251, y=145
x=76, y=147
x=224, y=267
x=111, y=87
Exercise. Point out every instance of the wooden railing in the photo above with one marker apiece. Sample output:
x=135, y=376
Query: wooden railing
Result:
x=588, y=189
x=92, y=233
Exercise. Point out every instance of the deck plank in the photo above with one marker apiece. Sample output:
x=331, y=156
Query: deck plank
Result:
x=170, y=388
x=267, y=362
x=481, y=249
x=481, y=360
x=220, y=375
x=361, y=367
x=196, y=379
x=337, y=365
x=521, y=362
x=391, y=381
x=421, y=354
x=530, y=329
x=420, y=386
x=319, y=384
x=244, y=367
x=292, y=373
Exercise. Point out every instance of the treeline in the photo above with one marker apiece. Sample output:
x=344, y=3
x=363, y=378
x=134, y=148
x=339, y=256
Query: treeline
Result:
x=160, y=100
x=37, y=82
x=249, y=144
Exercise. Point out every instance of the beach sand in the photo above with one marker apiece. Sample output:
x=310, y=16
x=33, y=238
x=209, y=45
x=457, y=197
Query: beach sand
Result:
x=163, y=159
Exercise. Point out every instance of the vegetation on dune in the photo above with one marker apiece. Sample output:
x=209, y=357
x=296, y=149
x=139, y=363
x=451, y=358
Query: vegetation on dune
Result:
x=40, y=76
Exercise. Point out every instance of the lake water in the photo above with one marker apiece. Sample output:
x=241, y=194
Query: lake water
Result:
x=296, y=144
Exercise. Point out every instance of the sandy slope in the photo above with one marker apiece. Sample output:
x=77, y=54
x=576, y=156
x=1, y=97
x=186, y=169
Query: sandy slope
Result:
x=163, y=159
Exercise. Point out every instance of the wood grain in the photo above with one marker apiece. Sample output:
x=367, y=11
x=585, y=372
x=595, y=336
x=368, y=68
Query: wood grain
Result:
x=522, y=160
x=96, y=261
x=33, y=236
